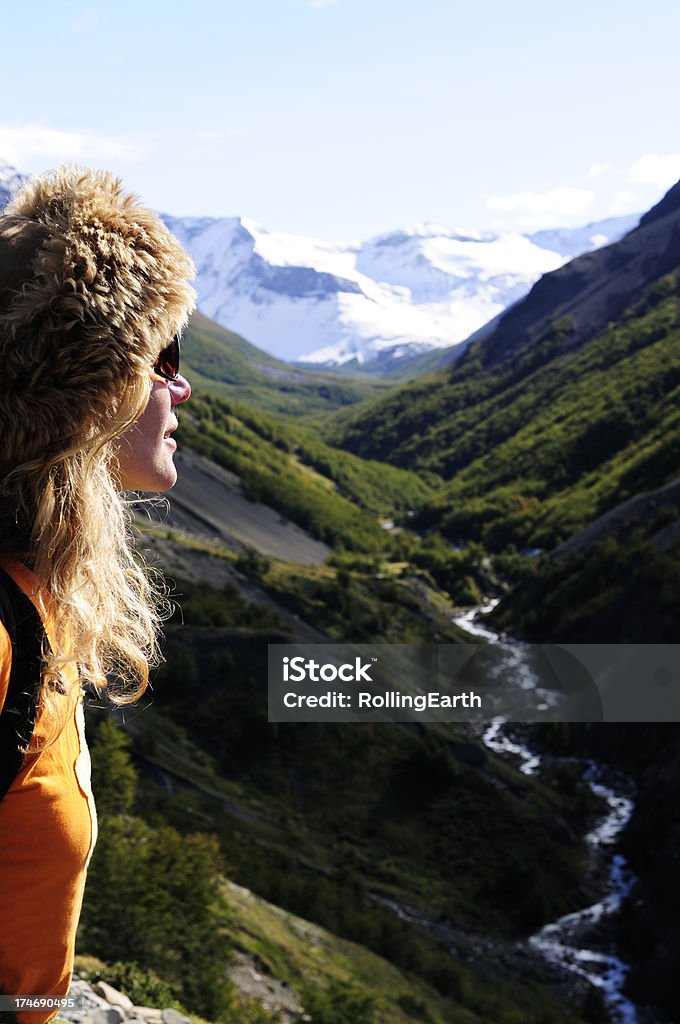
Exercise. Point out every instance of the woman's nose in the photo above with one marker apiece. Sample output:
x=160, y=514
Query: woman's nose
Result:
x=180, y=390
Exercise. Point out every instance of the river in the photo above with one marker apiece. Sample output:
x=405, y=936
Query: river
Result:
x=566, y=942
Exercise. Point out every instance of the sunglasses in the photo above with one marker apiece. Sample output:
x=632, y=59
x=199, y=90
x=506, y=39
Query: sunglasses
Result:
x=167, y=364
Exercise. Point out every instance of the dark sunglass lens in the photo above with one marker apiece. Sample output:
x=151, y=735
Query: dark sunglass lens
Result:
x=167, y=364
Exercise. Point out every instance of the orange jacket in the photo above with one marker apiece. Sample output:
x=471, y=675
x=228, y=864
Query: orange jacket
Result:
x=48, y=827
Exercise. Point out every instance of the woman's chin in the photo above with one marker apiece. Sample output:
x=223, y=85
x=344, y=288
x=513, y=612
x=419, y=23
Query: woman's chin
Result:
x=152, y=480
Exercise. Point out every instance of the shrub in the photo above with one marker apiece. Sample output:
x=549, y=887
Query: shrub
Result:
x=338, y=1004
x=141, y=984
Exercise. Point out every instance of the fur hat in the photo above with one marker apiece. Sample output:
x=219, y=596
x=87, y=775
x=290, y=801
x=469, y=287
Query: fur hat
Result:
x=92, y=287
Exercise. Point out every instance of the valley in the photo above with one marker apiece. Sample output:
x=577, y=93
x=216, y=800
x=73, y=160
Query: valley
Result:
x=537, y=471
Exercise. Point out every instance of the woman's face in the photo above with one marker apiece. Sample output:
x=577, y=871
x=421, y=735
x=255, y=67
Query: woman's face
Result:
x=146, y=449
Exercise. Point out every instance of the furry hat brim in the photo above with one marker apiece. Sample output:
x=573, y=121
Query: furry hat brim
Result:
x=92, y=287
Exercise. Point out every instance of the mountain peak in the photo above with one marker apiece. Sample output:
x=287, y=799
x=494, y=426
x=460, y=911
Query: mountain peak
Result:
x=253, y=227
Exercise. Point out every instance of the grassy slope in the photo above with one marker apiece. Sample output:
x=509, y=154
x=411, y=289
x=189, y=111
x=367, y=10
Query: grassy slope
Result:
x=226, y=364
x=306, y=956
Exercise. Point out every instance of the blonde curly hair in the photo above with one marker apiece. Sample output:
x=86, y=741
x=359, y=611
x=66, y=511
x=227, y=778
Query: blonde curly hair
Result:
x=92, y=287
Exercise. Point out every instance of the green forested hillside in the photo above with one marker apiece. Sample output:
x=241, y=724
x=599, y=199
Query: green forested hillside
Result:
x=533, y=449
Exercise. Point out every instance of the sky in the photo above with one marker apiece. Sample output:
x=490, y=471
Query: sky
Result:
x=344, y=119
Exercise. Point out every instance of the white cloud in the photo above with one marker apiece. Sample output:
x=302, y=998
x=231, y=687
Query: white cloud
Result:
x=652, y=169
x=597, y=169
x=539, y=222
x=318, y=4
x=625, y=201
x=20, y=143
x=556, y=201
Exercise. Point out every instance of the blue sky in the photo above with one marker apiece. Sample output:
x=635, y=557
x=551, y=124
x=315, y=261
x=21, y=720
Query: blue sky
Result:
x=346, y=118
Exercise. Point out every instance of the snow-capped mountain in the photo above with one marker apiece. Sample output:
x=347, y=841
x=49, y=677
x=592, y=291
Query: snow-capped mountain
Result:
x=398, y=294
x=10, y=181
x=401, y=293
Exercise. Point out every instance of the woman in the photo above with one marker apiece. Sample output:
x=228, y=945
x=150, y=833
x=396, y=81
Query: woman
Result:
x=94, y=293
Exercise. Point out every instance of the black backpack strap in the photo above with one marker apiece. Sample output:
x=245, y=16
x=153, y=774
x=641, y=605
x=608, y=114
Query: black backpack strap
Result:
x=17, y=716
